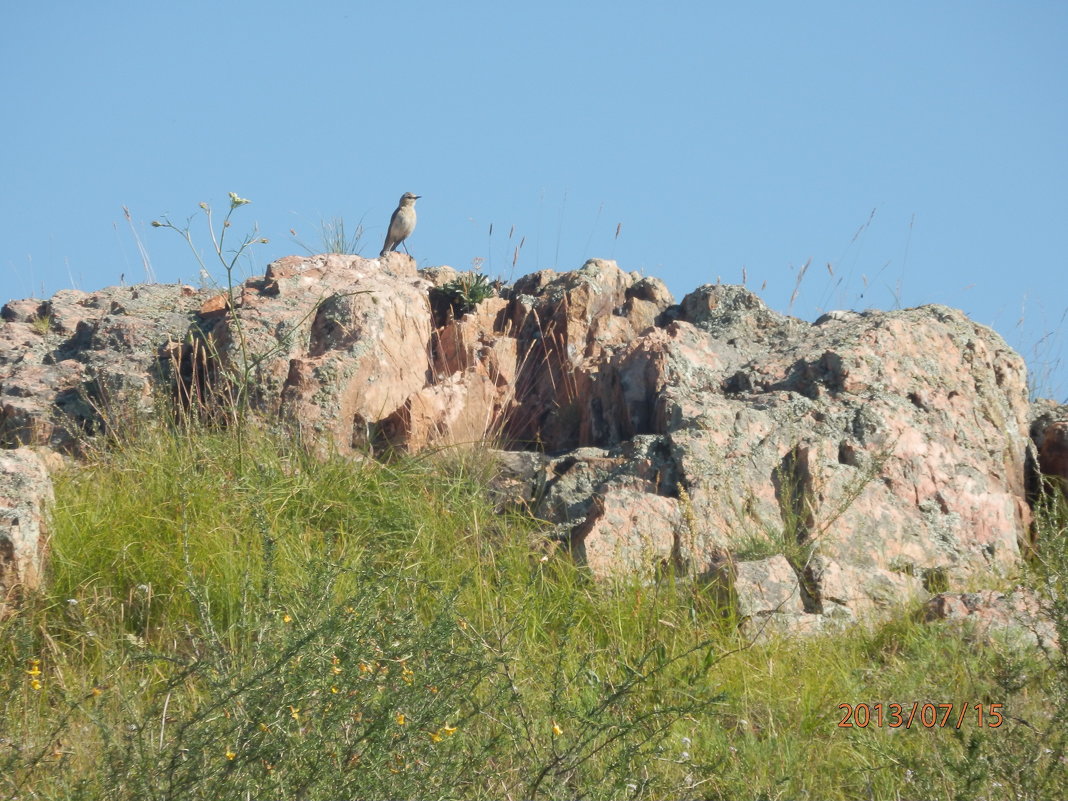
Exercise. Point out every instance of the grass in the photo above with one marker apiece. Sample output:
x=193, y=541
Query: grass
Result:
x=335, y=238
x=273, y=625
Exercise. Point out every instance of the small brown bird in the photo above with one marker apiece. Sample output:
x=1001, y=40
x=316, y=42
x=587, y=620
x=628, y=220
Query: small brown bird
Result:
x=401, y=224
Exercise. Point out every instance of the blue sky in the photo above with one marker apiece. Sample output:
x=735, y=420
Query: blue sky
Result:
x=918, y=148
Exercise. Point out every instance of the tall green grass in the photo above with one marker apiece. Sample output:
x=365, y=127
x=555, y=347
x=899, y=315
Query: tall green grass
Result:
x=253, y=622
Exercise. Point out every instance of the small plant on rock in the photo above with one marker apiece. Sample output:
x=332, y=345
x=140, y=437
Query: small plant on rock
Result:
x=463, y=294
x=42, y=324
x=228, y=260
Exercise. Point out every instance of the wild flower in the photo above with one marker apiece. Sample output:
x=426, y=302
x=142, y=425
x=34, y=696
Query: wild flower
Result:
x=557, y=731
x=230, y=754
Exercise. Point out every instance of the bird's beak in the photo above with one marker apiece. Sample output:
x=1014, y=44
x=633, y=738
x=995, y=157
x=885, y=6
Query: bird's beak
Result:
x=418, y=196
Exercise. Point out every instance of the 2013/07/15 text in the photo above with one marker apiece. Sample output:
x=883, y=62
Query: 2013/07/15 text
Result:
x=927, y=715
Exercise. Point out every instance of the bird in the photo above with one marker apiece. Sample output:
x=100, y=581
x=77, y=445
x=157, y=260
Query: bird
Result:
x=401, y=224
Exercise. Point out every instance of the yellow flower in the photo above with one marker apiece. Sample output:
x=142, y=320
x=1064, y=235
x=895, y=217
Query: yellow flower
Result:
x=230, y=754
x=35, y=684
x=448, y=729
x=35, y=668
x=365, y=668
x=435, y=737
x=335, y=669
x=400, y=718
x=264, y=727
x=294, y=713
x=334, y=690
x=96, y=692
x=287, y=619
x=556, y=729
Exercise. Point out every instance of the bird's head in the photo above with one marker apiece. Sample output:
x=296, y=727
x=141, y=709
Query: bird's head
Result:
x=407, y=199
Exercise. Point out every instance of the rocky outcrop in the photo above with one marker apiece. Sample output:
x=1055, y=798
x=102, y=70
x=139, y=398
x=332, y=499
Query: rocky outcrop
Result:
x=881, y=454
x=810, y=473
x=25, y=501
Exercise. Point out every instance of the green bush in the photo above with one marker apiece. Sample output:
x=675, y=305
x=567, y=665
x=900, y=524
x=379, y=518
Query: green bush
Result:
x=461, y=295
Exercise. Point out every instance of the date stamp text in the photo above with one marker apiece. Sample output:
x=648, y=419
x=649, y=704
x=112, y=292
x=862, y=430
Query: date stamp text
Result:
x=925, y=715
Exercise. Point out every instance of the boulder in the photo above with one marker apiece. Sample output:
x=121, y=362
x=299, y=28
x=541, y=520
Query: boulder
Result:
x=79, y=362
x=25, y=503
x=311, y=328
x=628, y=531
x=367, y=351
